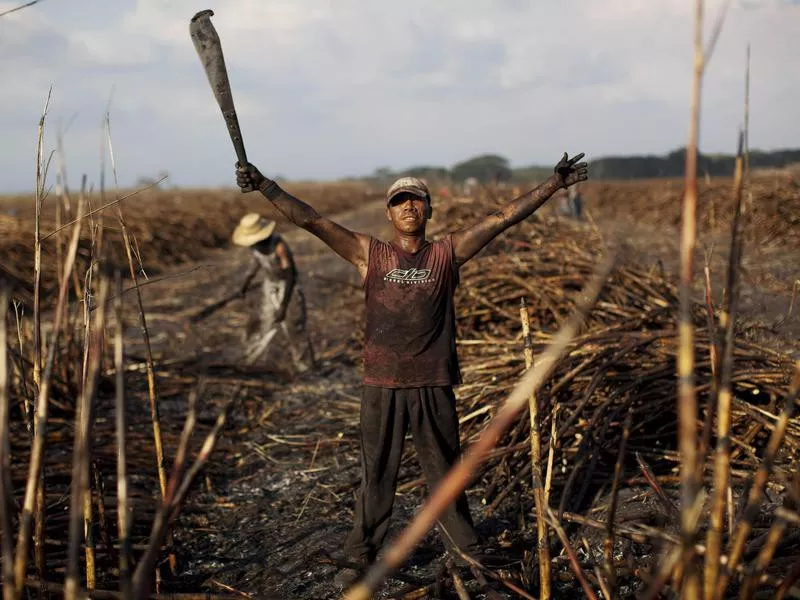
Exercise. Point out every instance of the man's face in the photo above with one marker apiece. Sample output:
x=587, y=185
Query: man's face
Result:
x=407, y=212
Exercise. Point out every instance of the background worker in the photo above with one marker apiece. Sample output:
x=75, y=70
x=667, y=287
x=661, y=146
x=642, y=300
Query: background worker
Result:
x=281, y=297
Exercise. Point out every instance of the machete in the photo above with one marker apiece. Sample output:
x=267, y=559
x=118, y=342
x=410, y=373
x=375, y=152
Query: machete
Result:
x=209, y=49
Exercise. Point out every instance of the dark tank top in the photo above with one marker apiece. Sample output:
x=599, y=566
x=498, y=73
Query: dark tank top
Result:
x=410, y=340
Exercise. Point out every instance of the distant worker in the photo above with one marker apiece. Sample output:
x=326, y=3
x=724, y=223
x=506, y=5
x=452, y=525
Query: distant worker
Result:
x=575, y=202
x=561, y=203
x=280, y=294
x=279, y=288
x=470, y=186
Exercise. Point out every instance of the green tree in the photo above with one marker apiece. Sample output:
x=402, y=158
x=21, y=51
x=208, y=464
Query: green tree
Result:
x=383, y=173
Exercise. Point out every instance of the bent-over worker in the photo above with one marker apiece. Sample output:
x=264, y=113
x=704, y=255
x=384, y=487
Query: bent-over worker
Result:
x=279, y=291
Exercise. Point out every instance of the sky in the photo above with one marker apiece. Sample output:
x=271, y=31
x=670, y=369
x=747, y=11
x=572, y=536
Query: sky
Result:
x=327, y=89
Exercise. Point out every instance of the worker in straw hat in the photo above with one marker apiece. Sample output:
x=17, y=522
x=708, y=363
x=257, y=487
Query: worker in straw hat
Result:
x=272, y=256
x=409, y=356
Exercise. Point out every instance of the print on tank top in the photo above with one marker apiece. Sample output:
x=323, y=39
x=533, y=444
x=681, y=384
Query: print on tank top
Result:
x=409, y=338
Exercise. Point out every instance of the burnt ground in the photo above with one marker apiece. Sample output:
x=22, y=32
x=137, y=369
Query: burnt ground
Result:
x=270, y=515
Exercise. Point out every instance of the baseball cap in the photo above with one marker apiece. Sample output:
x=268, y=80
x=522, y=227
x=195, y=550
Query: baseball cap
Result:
x=410, y=185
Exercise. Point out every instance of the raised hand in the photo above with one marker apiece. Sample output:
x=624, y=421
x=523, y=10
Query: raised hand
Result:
x=571, y=173
x=248, y=178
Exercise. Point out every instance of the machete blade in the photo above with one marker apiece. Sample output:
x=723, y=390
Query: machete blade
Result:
x=209, y=49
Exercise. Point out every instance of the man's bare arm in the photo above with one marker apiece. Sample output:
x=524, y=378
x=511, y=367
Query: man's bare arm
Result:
x=350, y=245
x=468, y=242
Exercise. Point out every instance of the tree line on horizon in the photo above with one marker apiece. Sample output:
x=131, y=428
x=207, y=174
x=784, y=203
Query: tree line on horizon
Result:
x=489, y=168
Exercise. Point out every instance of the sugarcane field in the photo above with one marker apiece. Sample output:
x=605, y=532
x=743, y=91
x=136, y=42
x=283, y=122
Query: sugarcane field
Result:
x=576, y=380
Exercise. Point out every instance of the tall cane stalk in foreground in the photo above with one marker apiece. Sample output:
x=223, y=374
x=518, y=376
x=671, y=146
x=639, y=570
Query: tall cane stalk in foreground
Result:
x=543, y=543
x=42, y=404
x=81, y=451
x=6, y=496
x=725, y=394
x=151, y=378
x=123, y=506
x=41, y=177
x=687, y=396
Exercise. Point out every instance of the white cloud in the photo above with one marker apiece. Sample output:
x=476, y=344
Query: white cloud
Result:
x=329, y=88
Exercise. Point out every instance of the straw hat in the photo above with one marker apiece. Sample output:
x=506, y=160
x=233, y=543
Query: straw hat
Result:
x=252, y=229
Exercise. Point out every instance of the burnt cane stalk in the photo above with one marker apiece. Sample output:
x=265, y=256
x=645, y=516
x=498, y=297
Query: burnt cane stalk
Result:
x=32, y=487
x=723, y=450
x=81, y=458
x=151, y=378
x=6, y=493
x=41, y=175
x=543, y=544
x=123, y=522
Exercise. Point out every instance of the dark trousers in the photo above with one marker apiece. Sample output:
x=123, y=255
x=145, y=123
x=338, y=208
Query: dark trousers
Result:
x=386, y=415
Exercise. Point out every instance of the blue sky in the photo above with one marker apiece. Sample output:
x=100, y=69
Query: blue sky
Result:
x=329, y=89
